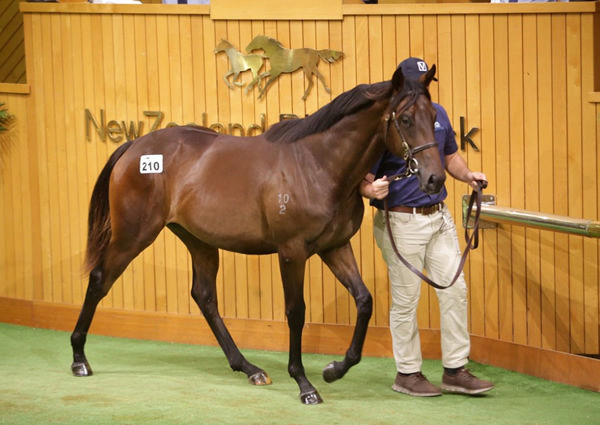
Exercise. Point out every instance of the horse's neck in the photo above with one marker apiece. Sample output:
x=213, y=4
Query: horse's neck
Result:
x=271, y=49
x=355, y=143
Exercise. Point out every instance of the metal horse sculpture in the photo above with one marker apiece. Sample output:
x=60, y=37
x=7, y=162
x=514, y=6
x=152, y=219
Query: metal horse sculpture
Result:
x=289, y=60
x=216, y=191
x=239, y=63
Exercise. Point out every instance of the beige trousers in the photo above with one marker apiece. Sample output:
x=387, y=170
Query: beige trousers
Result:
x=428, y=242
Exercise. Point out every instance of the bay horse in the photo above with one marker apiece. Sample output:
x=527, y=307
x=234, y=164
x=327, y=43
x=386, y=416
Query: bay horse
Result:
x=217, y=191
x=285, y=60
x=238, y=63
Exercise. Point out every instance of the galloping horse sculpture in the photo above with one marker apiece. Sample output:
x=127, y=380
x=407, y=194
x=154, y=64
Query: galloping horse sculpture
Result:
x=289, y=60
x=216, y=191
x=239, y=63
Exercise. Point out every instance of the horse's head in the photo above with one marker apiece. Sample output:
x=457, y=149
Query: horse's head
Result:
x=223, y=46
x=409, y=130
x=255, y=43
x=262, y=42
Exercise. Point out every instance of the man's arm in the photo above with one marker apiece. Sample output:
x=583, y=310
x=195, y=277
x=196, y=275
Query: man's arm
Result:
x=457, y=168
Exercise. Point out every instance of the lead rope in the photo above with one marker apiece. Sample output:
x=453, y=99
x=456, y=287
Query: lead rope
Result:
x=472, y=240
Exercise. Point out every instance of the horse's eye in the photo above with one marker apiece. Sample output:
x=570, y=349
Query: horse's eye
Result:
x=405, y=120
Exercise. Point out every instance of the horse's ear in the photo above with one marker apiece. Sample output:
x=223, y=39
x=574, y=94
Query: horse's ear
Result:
x=398, y=79
x=429, y=76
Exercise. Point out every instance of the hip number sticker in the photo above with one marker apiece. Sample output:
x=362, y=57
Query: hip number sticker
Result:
x=151, y=164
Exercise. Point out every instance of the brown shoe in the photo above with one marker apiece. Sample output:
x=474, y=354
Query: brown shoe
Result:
x=464, y=382
x=415, y=384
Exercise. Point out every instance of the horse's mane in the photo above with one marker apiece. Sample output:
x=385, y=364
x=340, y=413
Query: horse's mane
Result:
x=347, y=103
x=271, y=39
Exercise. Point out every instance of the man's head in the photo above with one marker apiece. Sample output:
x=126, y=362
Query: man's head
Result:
x=413, y=68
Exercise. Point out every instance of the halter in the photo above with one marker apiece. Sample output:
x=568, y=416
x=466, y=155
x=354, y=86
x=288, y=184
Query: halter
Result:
x=412, y=165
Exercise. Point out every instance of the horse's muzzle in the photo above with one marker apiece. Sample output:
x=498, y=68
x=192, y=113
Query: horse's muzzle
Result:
x=434, y=184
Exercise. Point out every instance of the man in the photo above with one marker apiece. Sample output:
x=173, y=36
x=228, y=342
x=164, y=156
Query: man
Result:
x=425, y=235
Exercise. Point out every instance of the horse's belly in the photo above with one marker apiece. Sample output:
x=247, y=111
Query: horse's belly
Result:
x=237, y=229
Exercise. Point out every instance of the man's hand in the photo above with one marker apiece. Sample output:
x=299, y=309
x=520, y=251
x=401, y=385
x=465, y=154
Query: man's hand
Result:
x=381, y=188
x=475, y=176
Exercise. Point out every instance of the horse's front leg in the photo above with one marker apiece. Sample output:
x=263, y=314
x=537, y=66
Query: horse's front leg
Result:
x=342, y=263
x=256, y=80
x=226, y=79
x=292, y=274
x=272, y=78
x=236, y=76
x=205, y=263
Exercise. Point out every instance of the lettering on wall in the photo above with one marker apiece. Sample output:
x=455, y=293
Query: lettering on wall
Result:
x=466, y=139
x=118, y=130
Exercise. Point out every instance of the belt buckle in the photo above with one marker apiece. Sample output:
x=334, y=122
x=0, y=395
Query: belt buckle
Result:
x=432, y=208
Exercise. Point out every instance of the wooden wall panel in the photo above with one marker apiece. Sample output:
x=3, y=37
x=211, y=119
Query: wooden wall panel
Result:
x=489, y=247
x=522, y=78
x=590, y=161
x=18, y=247
x=545, y=199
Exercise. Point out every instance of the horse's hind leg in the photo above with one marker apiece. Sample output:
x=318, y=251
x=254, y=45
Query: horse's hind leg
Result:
x=95, y=293
x=322, y=79
x=205, y=263
x=129, y=238
x=100, y=281
x=342, y=263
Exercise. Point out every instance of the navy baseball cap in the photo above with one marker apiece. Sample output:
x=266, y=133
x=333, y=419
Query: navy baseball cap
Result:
x=413, y=68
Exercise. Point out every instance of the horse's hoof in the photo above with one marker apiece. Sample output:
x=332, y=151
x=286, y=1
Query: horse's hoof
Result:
x=81, y=369
x=260, y=378
x=311, y=397
x=329, y=373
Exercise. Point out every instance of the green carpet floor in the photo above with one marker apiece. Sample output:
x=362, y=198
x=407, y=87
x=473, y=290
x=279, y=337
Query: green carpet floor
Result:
x=147, y=382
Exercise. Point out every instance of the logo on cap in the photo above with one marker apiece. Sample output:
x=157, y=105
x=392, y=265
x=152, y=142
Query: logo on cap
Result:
x=422, y=66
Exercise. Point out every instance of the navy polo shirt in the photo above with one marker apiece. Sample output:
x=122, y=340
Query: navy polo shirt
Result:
x=406, y=192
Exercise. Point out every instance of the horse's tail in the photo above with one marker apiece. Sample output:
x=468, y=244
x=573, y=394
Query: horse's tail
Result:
x=329, y=55
x=99, y=230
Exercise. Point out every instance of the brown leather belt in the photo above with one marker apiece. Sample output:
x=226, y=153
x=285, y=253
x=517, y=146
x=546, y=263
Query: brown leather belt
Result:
x=419, y=210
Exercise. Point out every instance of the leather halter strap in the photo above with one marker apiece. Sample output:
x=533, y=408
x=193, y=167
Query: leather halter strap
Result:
x=412, y=165
x=472, y=240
